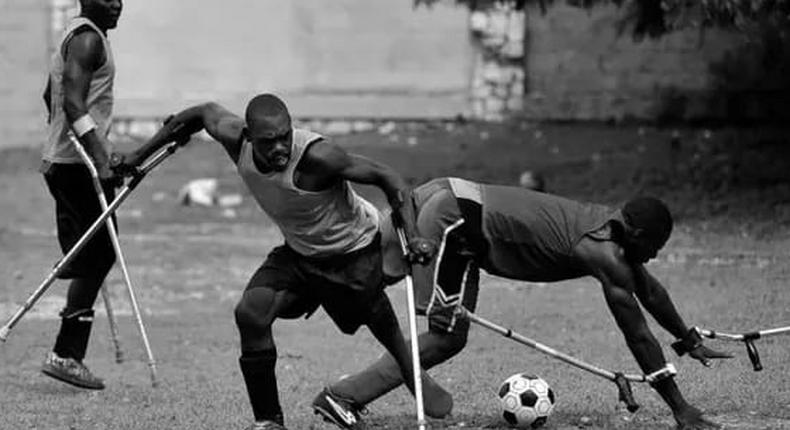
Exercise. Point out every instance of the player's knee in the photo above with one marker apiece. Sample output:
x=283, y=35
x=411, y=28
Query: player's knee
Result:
x=256, y=310
x=247, y=319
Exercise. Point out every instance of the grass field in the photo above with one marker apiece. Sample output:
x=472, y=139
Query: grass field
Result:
x=727, y=267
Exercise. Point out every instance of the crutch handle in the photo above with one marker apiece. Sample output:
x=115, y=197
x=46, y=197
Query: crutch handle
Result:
x=626, y=395
x=754, y=356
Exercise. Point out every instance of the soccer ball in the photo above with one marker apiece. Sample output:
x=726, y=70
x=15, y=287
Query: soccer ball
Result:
x=527, y=401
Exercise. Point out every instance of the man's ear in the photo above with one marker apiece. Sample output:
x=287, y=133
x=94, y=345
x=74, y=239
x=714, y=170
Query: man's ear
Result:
x=635, y=232
x=245, y=134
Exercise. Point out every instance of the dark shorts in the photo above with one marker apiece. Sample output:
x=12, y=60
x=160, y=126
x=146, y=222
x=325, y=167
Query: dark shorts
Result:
x=76, y=208
x=348, y=286
x=452, y=279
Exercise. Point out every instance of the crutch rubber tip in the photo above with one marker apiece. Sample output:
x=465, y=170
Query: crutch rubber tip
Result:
x=754, y=356
x=118, y=357
x=4, y=334
x=624, y=392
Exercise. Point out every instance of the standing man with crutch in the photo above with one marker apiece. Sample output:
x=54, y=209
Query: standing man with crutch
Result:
x=79, y=97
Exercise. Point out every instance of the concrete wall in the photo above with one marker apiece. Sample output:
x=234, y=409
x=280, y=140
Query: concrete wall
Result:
x=328, y=57
x=24, y=32
x=578, y=68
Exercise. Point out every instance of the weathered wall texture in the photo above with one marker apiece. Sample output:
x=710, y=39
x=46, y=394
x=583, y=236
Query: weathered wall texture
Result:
x=357, y=58
x=578, y=68
x=498, y=74
x=329, y=58
x=24, y=31
x=570, y=64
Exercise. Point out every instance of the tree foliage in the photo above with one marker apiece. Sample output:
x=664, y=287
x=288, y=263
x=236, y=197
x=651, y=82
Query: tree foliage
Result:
x=656, y=17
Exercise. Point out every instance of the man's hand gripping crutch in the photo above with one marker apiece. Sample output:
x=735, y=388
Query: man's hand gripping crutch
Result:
x=127, y=280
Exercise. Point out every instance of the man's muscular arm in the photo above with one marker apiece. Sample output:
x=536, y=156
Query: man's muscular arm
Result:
x=84, y=54
x=655, y=298
x=330, y=160
x=605, y=261
x=618, y=288
x=219, y=123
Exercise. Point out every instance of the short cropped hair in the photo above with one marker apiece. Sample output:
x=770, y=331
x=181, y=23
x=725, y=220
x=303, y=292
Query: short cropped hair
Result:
x=265, y=106
x=650, y=215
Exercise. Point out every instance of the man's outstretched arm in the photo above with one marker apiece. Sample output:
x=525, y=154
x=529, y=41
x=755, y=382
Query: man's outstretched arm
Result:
x=606, y=263
x=219, y=123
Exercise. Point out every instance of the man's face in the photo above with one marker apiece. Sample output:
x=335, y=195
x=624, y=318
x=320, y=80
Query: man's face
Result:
x=639, y=248
x=271, y=152
x=104, y=12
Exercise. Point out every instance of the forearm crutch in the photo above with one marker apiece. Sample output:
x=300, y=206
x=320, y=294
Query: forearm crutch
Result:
x=621, y=380
x=135, y=180
x=747, y=338
x=415, y=346
x=122, y=262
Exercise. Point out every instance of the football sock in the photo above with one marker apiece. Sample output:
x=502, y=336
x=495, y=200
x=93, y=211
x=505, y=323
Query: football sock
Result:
x=75, y=329
x=257, y=367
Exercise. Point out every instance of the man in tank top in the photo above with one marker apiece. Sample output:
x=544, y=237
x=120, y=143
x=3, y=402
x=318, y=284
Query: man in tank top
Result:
x=332, y=251
x=79, y=98
x=521, y=234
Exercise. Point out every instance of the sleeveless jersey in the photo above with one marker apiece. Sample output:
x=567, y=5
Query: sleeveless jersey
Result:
x=58, y=148
x=530, y=235
x=314, y=223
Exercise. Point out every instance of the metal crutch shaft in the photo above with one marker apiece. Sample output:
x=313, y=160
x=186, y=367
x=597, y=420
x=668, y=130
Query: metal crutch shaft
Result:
x=622, y=381
x=415, y=347
x=61, y=264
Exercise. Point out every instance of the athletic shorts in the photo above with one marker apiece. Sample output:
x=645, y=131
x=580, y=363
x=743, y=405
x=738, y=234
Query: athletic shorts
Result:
x=76, y=208
x=348, y=286
x=452, y=279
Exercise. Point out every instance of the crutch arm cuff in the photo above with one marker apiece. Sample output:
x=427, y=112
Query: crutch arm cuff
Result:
x=83, y=125
x=659, y=375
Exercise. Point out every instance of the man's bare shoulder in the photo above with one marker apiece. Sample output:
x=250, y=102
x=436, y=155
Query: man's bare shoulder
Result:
x=605, y=259
x=85, y=46
x=323, y=156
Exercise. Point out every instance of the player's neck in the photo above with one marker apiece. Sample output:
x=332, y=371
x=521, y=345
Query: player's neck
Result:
x=95, y=22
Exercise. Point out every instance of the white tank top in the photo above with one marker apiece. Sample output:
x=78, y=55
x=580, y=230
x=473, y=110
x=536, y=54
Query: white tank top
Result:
x=59, y=148
x=314, y=223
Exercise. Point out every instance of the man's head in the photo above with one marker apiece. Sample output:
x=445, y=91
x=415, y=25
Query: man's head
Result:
x=648, y=225
x=103, y=13
x=269, y=131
